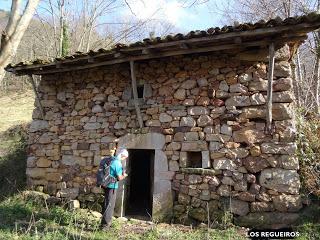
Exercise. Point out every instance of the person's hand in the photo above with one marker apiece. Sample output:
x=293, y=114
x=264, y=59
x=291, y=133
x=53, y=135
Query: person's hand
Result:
x=125, y=175
x=113, y=151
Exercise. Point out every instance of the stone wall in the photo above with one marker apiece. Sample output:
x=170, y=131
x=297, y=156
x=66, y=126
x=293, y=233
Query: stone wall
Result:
x=209, y=107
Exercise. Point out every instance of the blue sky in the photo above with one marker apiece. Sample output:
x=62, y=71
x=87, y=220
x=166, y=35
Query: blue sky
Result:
x=197, y=17
x=5, y=4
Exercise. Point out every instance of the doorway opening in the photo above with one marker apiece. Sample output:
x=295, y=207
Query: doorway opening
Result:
x=140, y=183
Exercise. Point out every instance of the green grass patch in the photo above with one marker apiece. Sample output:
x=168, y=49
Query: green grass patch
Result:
x=309, y=222
x=12, y=161
x=23, y=217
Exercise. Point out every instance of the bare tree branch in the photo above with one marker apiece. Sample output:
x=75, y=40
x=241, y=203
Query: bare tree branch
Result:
x=16, y=27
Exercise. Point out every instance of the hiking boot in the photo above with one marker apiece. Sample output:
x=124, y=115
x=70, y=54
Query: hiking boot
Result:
x=105, y=227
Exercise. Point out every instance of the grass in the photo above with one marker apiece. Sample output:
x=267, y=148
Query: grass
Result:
x=24, y=216
x=309, y=223
x=15, y=112
x=12, y=161
x=28, y=219
x=15, y=108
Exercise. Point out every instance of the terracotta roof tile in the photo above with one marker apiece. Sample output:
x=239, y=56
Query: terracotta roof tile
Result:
x=310, y=18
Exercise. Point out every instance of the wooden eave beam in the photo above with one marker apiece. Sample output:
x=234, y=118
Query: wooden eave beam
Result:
x=160, y=54
x=237, y=40
x=145, y=51
x=156, y=55
x=118, y=55
x=184, y=46
x=302, y=28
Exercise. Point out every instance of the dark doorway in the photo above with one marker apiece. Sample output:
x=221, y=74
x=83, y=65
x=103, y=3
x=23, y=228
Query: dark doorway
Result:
x=140, y=184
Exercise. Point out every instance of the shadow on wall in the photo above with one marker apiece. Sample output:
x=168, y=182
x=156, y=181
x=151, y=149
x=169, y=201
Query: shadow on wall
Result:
x=13, y=161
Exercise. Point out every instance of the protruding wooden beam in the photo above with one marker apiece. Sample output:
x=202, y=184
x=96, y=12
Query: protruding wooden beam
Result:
x=152, y=55
x=135, y=94
x=184, y=46
x=237, y=40
x=269, y=90
x=146, y=51
x=118, y=55
x=37, y=95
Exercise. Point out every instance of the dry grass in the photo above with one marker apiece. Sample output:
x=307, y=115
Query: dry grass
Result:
x=15, y=108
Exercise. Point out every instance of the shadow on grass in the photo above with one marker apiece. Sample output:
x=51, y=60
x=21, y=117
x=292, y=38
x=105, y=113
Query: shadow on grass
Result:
x=30, y=219
x=13, y=212
x=13, y=161
x=309, y=221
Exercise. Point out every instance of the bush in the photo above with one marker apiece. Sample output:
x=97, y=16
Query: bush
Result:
x=13, y=161
x=309, y=153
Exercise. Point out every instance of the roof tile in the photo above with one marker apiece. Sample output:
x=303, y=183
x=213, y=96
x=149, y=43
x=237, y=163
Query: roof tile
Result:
x=310, y=18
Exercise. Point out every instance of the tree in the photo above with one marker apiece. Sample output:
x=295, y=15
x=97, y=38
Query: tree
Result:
x=17, y=24
x=94, y=24
x=65, y=40
x=62, y=27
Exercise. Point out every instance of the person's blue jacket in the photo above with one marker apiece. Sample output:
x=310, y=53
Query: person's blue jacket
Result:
x=115, y=171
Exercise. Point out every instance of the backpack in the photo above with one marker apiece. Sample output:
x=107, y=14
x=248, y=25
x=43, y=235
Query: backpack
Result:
x=104, y=177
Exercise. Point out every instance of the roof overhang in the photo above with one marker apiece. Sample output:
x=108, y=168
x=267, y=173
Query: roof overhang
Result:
x=235, y=40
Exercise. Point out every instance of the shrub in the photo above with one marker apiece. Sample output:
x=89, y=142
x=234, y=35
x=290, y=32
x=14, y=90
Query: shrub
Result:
x=13, y=160
x=308, y=140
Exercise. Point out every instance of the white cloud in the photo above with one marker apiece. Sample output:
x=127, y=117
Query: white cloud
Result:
x=169, y=10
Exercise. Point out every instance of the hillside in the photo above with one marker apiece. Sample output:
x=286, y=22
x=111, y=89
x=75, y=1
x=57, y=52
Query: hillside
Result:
x=15, y=108
x=15, y=113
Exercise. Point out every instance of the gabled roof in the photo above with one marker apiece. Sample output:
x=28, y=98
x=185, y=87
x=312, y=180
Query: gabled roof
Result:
x=242, y=36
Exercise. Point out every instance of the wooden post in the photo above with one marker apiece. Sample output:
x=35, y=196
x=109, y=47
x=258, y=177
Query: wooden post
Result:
x=37, y=95
x=135, y=94
x=124, y=190
x=269, y=91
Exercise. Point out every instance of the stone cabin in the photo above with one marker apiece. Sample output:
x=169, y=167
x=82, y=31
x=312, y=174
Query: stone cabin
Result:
x=207, y=118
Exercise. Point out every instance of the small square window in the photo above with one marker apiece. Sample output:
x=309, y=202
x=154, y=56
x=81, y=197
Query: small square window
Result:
x=144, y=91
x=140, y=89
x=194, y=159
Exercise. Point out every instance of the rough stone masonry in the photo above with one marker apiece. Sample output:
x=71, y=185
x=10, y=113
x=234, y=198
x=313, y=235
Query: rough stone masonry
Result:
x=211, y=110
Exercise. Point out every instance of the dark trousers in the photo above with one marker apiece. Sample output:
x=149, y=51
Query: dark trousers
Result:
x=108, y=205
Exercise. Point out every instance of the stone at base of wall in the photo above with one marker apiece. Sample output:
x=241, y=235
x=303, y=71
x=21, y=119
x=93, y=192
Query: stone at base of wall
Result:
x=265, y=220
x=162, y=207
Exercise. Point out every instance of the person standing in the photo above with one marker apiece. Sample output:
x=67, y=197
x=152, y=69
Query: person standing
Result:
x=116, y=171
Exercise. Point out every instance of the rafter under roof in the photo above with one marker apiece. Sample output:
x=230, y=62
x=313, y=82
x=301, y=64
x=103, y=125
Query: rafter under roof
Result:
x=247, y=35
